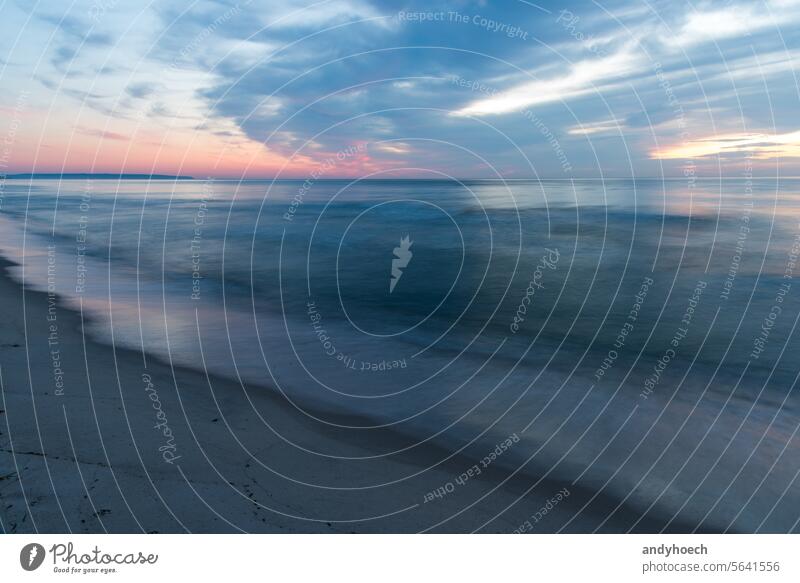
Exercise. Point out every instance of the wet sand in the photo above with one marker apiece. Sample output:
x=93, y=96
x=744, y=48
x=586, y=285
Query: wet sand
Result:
x=95, y=438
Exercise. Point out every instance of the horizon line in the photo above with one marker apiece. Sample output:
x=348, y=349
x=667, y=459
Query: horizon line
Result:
x=166, y=177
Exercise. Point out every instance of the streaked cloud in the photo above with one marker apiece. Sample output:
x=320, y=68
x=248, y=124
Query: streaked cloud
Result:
x=598, y=127
x=581, y=79
x=757, y=145
x=392, y=147
x=300, y=14
x=103, y=134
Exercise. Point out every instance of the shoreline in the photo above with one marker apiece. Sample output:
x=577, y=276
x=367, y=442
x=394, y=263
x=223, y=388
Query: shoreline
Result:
x=212, y=457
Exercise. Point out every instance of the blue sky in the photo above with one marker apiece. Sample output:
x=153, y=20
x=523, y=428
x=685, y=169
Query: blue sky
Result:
x=507, y=89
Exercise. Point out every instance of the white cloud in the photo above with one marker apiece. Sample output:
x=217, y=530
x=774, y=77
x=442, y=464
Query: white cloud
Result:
x=270, y=107
x=583, y=77
x=732, y=21
x=598, y=127
x=393, y=147
x=301, y=14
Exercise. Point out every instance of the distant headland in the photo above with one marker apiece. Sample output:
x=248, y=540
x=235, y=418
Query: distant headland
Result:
x=89, y=175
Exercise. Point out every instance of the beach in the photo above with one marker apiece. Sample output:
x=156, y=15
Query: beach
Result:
x=89, y=456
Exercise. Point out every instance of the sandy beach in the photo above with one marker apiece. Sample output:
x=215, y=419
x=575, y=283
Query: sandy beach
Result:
x=98, y=439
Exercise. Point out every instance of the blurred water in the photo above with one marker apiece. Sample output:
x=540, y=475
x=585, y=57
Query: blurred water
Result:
x=537, y=307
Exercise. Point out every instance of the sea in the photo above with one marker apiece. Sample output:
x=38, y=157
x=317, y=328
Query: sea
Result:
x=634, y=337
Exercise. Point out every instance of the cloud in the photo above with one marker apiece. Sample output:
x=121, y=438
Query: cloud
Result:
x=392, y=147
x=62, y=55
x=583, y=78
x=340, y=72
x=299, y=14
x=761, y=146
x=105, y=135
x=139, y=90
x=598, y=127
x=79, y=30
x=270, y=107
x=731, y=21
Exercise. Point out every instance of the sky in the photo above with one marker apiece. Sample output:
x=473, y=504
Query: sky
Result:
x=384, y=89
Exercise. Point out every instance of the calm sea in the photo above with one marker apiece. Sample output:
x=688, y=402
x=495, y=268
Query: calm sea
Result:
x=637, y=336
